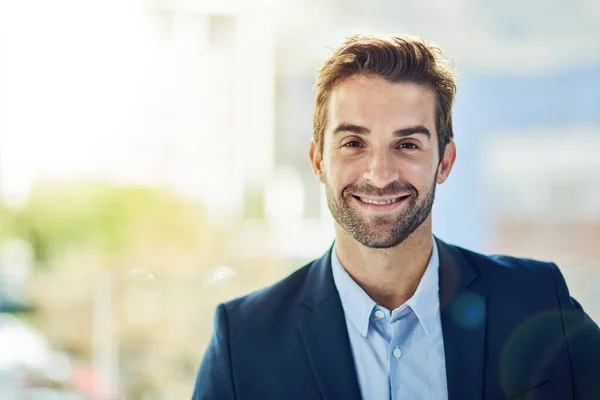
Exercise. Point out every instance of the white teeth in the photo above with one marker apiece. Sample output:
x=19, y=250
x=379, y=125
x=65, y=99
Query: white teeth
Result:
x=379, y=203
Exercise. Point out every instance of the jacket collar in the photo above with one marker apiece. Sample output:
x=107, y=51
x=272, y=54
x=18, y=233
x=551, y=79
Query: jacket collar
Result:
x=359, y=307
x=463, y=314
x=324, y=334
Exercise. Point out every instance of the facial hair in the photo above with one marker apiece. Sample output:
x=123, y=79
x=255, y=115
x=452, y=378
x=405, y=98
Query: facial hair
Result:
x=383, y=231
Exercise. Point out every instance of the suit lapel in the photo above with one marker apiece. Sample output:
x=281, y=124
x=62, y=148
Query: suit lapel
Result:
x=324, y=333
x=463, y=316
x=322, y=326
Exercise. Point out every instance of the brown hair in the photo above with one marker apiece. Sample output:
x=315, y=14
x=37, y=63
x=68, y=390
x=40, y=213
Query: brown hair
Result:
x=395, y=59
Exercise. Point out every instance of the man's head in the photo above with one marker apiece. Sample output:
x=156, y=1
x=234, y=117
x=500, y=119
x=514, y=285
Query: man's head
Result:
x=383, y=133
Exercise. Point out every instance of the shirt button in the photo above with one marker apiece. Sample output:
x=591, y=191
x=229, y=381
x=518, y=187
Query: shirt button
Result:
x=379, y=314
x=397, y=353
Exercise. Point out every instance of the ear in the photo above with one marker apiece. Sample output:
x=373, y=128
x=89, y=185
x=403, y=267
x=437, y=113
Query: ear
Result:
x=316, y=160
x=447, y=162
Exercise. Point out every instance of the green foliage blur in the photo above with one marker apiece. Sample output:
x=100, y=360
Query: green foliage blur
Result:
x=83, y=231
x=101, y=217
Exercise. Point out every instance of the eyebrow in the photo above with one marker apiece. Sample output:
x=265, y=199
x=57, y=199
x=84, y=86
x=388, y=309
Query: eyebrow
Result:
x=361, y=130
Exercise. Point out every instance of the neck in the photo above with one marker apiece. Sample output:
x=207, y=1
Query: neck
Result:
x=389, y=276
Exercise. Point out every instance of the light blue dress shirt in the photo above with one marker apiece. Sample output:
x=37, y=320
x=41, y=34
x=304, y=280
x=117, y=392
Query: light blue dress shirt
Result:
x=398, y=355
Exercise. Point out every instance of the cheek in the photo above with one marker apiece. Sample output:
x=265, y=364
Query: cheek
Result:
x=418, y=171
x=345, y=172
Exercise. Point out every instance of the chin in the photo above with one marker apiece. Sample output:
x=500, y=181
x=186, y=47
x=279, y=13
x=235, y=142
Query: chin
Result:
x=380, y=245
x=377, y=240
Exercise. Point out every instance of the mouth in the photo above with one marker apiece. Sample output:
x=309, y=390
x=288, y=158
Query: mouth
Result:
x=381, y=204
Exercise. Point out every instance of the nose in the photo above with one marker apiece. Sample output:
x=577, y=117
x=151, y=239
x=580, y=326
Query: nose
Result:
x=381, y=169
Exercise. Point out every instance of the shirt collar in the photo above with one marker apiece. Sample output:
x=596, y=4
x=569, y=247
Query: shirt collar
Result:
x=358, y=306
x=425, y=302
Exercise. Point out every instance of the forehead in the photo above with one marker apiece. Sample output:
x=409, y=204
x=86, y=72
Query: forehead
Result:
x=368, y=100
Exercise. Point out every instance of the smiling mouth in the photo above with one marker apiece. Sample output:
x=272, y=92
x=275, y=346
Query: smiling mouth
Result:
x=366, y=200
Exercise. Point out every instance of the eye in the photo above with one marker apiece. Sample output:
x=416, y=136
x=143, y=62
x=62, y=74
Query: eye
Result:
x=353, y=143
x=408, y=146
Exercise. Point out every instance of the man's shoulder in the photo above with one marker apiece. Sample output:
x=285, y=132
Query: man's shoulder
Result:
x=274, y=301
x=502, y=263
x=498, y=271
x=501, y=270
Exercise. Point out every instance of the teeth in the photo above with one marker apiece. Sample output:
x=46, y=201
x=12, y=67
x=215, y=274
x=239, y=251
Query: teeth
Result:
x=379, y=203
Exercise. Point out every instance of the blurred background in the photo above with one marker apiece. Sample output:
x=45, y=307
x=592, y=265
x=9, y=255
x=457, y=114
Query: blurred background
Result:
x=153, y=163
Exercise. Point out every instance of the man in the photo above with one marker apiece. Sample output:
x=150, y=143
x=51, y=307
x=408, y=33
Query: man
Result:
x=390, y=311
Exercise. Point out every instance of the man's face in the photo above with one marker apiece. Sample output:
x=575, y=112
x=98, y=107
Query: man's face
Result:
x=380, y=159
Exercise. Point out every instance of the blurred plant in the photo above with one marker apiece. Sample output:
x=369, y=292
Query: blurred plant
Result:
x=104, y=218
x=7, y=223
x=254, y=203
x=167, y=269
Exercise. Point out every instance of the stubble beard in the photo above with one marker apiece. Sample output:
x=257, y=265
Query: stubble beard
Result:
x=385, y=231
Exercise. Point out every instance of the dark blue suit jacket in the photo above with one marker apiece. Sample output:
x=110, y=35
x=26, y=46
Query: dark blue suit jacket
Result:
x=511, y=331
